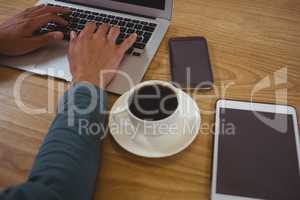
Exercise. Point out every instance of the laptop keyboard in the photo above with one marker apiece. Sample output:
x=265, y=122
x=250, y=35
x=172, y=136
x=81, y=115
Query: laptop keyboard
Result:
x=78, y=18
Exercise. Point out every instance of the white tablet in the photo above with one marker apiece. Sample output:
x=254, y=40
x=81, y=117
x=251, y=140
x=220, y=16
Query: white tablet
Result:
x=256, y=152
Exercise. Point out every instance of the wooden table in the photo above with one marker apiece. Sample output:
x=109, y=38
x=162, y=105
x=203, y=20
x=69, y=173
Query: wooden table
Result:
x=249, y=40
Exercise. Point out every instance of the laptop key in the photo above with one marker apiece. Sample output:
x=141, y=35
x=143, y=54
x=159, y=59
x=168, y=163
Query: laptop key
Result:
x=74, y=20
x=80, y=27
x=147, y=34
x=122, y=23
x=106, y=20
x=139, y=39
x=82, y=21
x=51, y=27
x=146, y=39
x=130, y=31
x=139, y=45
x=82, y=15
x=75, y=14
x=144, y=23
x=148, y=28
x=91, y=17
x=152, y=25
x=123, y=29
x=73, y=26
x=130, y=25
x=138, y=26
x=136, y=54
x=140, y=33
x=98, y=19
x=129, y=51
x=114, y=22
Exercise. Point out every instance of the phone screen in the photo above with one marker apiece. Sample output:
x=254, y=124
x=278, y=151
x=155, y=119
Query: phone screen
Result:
x=190, y=63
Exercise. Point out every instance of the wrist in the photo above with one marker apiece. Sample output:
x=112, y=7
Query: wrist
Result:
x=89, y=79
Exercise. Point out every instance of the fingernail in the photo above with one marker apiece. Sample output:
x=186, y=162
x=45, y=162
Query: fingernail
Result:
x=134, y=35
x=73, y=35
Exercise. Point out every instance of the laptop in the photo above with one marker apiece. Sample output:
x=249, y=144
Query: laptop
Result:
x=149, y=19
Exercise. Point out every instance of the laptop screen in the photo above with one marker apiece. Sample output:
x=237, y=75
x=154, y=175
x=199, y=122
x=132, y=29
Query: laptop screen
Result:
x=157, y=4
x=152, y=8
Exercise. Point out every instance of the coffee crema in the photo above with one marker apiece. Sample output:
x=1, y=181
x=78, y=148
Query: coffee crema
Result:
x=153, y=102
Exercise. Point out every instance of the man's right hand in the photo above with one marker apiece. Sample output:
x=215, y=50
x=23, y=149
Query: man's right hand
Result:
x=16, y=33
x=94, y=56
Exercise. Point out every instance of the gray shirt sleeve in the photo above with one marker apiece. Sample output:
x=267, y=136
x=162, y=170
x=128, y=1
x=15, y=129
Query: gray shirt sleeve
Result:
x=67, y=164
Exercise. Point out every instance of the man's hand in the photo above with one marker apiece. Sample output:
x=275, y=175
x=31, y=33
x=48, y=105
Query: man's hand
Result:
x=94, y=56
x=16, y=34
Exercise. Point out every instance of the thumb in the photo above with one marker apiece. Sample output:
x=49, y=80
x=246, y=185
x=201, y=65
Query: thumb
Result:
x=42, y=40
x=128, y=42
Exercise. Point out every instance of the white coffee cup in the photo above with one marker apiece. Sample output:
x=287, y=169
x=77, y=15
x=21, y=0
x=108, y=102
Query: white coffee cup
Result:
x=157, y=127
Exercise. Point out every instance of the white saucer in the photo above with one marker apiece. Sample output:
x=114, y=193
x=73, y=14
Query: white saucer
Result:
x=157, y=146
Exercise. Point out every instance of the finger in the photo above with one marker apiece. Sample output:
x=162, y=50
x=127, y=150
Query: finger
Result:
x=88, y=30
x=73, y=35
x=40, y=21
x=40, y=41
x=102, y=30
x=73, y=39
x=49, y=10
x=32, y=9
x=113, y=35
x=128, y=42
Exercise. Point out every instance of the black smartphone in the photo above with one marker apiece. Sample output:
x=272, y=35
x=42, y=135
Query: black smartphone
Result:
x=190, y=64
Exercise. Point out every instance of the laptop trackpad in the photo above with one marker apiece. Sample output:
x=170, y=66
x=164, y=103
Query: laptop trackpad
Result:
x=55, y=62
x=26, y=62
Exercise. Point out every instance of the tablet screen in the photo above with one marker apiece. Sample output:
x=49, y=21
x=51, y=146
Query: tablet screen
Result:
x=257, y=161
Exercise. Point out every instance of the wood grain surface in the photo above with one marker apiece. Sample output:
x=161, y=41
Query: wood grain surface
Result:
x=249, y=41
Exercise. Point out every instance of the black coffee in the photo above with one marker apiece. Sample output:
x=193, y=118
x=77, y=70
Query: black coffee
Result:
x=153, y=102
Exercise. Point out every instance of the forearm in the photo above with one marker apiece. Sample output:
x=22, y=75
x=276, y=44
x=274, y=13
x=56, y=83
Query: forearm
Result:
x=67, y=164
